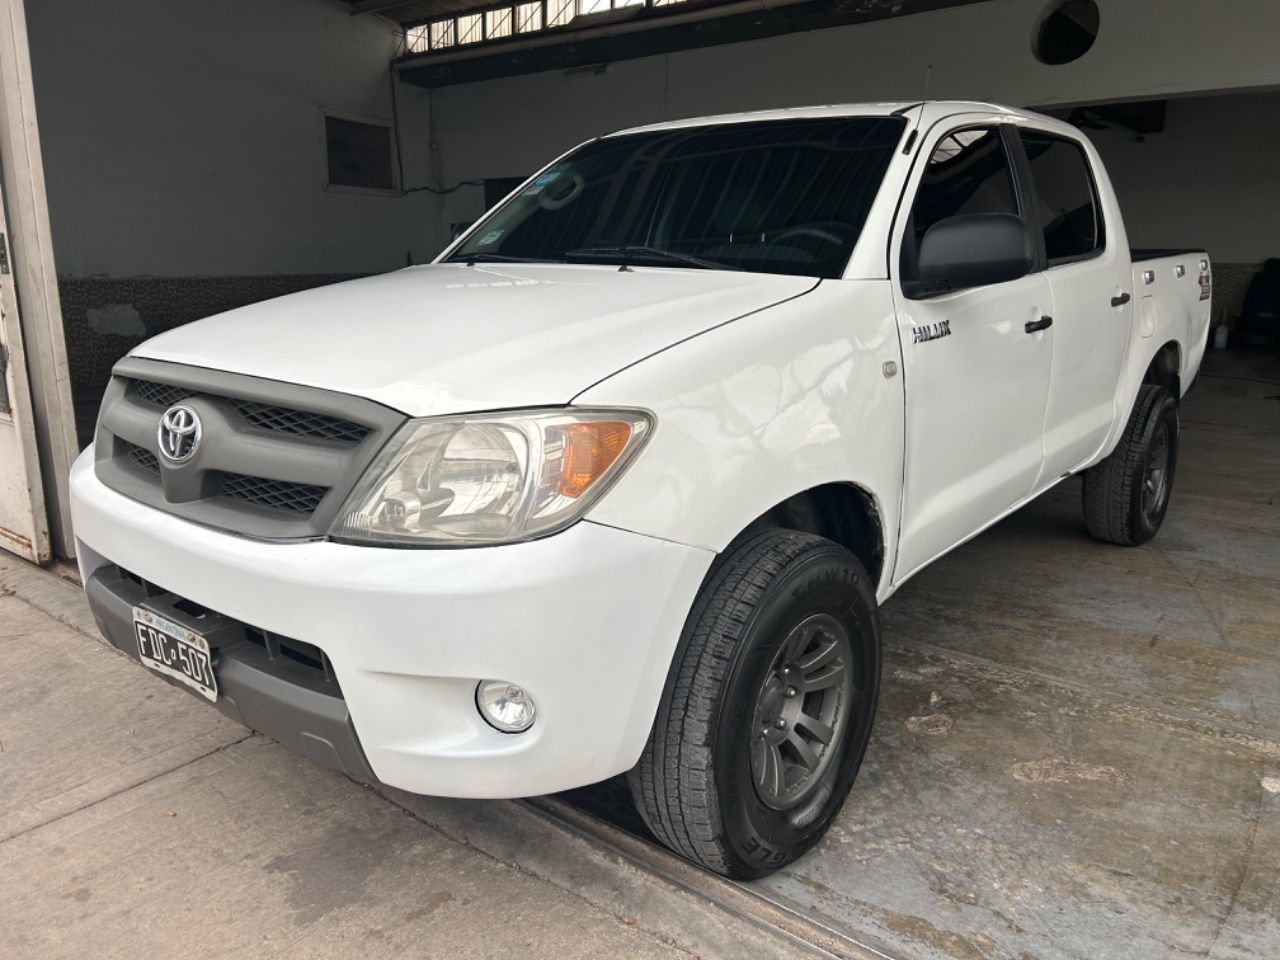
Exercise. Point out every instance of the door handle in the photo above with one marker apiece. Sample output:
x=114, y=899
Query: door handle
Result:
x=1035, y=326
x=1120, y=301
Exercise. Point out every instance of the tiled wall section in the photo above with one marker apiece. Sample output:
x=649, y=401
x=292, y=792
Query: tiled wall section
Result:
x=1230, y=282
x=160, y=303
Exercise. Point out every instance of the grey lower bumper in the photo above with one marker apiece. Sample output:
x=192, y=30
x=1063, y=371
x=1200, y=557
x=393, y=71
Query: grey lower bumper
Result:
x=278, y=687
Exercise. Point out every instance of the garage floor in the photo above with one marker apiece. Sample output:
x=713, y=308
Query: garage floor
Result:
x=1078, y=756
x=1078, y=751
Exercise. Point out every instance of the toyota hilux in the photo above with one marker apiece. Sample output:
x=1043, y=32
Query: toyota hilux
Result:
x=618, y=483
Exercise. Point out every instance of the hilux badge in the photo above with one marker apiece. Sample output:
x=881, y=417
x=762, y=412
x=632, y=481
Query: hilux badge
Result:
x=931, y=331
x=179, y=433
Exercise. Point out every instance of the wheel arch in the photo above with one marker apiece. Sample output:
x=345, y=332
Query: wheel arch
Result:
x=1165, y=369
x=843, y=512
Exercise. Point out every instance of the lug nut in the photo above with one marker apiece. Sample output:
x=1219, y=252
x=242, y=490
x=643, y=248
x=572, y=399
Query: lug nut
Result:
x=780, y=724
x=791, y=691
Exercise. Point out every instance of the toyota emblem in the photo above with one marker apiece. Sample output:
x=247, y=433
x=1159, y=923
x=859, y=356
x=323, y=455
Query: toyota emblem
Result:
x=179, y=433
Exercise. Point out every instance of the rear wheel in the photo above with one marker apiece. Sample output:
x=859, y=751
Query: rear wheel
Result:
x=768, y=707
x=1127, y=495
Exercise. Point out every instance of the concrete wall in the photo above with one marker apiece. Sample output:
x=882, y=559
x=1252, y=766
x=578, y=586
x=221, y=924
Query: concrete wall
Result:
x=187, y=139
x=1212, y=178
x=185, y=161
x=1145, y=48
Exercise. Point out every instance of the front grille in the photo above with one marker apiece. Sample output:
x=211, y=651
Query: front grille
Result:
x=142, y=457
x=276, y=460
x=159, y=394
x=300, y=423
x=301, y=498
x=263, y=416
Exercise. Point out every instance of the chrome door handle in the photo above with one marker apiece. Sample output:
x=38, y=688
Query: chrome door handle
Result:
x=1120, y=301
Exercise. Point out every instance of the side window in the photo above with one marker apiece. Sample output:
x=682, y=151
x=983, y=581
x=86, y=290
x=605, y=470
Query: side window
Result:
x=968, y=172
x=1066, y=200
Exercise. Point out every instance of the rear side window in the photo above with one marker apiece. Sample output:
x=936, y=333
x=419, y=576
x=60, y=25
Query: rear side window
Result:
x=968, y=172
x=1066, y=199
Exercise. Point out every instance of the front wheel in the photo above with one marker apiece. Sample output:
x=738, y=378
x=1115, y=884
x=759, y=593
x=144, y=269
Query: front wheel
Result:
x=768, y=707
x=1127, y=494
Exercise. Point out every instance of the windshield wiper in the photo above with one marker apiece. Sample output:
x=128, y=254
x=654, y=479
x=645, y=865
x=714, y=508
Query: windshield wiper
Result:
x=493, y=258
x=630, y=253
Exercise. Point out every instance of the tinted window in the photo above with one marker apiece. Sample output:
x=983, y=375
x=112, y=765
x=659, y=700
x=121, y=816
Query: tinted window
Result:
x=1066, y=202
x=968, y=172
x=783, y=196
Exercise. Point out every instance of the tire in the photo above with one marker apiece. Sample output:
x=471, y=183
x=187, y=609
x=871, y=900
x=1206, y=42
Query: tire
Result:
x=715, y=782
x=1127, y=495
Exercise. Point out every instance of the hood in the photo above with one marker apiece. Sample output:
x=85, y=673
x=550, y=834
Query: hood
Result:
x=449, y=338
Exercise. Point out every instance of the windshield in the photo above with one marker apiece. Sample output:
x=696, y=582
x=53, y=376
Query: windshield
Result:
x=778, y=196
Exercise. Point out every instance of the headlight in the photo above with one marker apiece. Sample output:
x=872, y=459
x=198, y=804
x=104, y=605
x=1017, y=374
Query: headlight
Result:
x=490, y=478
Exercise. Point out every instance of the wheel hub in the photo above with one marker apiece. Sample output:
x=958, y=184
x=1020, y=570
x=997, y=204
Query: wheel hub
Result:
x=801, y=711
x=1155, y=481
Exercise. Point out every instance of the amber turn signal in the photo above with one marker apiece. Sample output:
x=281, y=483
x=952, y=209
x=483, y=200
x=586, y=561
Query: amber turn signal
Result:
x=590, y=448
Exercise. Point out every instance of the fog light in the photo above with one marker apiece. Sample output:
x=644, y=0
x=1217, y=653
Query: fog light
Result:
x=505, y=706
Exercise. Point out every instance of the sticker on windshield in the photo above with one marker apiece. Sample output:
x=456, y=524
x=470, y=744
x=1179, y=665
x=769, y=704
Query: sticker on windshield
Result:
x=542, y=182
x=490, y=238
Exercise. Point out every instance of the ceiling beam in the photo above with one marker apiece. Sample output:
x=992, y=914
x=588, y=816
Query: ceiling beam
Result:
x=663, y=30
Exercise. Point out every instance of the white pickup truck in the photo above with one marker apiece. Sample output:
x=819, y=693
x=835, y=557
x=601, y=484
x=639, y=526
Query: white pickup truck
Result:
x=617, y=483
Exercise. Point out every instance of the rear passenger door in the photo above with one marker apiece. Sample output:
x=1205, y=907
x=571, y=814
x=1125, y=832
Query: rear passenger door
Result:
x=976, y=379
x=1087, y=265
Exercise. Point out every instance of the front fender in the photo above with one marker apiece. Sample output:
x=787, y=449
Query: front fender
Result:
x=757, y=410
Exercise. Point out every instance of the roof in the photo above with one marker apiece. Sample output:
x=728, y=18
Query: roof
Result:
x=934, y=110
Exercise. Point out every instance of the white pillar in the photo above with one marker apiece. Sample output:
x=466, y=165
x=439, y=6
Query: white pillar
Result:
x=35, y=274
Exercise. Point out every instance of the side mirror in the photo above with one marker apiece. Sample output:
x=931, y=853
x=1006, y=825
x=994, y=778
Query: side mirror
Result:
x=974, y=251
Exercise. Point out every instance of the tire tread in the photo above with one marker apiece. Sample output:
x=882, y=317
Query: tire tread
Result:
x=1109, y=486
x=673, y=783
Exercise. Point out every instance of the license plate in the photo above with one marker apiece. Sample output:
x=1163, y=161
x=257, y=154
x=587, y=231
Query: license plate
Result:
x=175, y=651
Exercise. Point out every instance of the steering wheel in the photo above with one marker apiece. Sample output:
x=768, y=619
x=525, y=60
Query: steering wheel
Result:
x=820, y=230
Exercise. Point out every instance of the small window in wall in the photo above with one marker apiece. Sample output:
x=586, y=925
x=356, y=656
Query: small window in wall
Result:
x=529, y=16
x=560, y=12
x=1066, y=201
x=360, y=154
x=497, y=23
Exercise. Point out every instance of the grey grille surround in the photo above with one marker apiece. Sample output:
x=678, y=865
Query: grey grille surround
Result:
x=276, y=460
x=269, y=417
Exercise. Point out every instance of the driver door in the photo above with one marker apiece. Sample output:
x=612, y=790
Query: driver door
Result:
x=976, y=362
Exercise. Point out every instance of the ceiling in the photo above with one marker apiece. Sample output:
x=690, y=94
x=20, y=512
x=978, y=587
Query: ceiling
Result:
x=642, y=30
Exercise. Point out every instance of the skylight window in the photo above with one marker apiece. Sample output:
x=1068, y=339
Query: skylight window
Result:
x=504, y=22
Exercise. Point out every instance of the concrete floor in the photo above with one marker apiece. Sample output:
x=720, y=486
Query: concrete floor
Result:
x=1078, y=756
x=135, y=822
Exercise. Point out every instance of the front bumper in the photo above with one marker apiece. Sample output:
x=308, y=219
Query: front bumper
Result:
x=587, y=621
